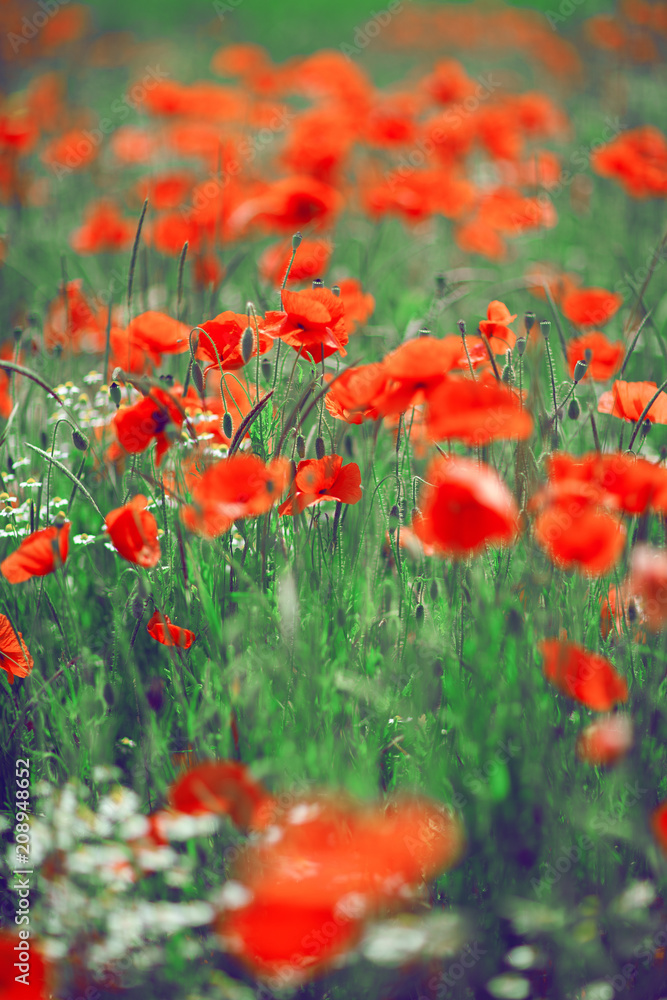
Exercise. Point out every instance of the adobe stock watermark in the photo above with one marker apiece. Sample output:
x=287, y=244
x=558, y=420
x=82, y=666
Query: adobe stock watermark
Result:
x=440, y=986
x=76, y=154
x=566, y=10
x=31, y=26
x=224, y=7
x=449, y=121
x=364, y=34
x=601, y=824
x=580, y=158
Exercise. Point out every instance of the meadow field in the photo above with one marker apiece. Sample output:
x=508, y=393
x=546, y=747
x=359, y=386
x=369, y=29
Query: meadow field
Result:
x=333, y=556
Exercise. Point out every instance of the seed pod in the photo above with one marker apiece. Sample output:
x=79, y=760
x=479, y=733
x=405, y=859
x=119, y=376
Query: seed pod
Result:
x=296, y=241
x=574, y=409
x=528, y=321
x=318, y=283
x=44, y=440
x=433, y=590
x=336, y=290
x=580, y=370
x=197, y=377
x=17, y=334
x=79, y=441
x=319, y=447
x=10, y=465
x=424, y=332
x=115, y=394
x=300, y=447
x=394, y=517
x=349, y=446
x=227, y=425
x=520, y=346
x=545, y=327
x=247, y=344
x=292, y=469
x=419, y=614
x=267, y=370
x=462, y=327
x=440, y=285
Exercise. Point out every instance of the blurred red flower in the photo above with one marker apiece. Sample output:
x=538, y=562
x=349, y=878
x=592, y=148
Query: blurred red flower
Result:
x=40, y=553
x=133, y=531
x=587, y=677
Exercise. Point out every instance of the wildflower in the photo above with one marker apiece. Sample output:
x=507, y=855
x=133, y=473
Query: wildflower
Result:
x=221, y=787
x=628, y=399
x=161, y=629
x=14, y=655
x=104, y=230
x=591, y=306
x=607, y=355
x=310, y=261
x=464, y=507
x=40, y=553
x=133, y=531
x=476, y=412
x=136, y=426
x=647, y=583
x=312, y=321
x=584, y=676
x=320, y=479
x=605, y=741
x=224, y=334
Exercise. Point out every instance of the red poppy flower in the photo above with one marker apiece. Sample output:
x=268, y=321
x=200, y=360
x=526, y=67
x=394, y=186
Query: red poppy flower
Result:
x=166, y=190
x=78, y=326
x=618, y=480
x=42, y=552
x=71, y=151
x=607, y=356
x=312, y=321
x=628, y=399
x=636, y=159
x=464, y=507
x=311, y=261
x=476, y=412
x=477, y=236
x=621, y=607
x=416, y=368
x=150, y=418
x=226, y=332
x=496, y=328
x=222, y=787
x=591, y=306
x=576, y=531
x=604, y=742
x=237, y=487
x=449, y=82
x=359, y=305
x=350, y=397
x=39, y=978
x=104, y=230
x=587, y=677
x=319, y=142
x=319, y=479
x=659, y=825
x=163, y=631
x=157, y=334
x=647, y=583
x=133, y=531
x=14, y=655
x=290, y=204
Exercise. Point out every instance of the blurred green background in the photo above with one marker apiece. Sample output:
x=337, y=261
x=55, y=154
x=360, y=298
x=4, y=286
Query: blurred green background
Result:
x=286, y=28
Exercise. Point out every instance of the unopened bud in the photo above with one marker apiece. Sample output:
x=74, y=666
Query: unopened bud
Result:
x=349, y=446
x=336, y=290
x=247, y=344
x=520, y=346
x=44, y=440
x=319, y=447
x=17, y=334
x=588, y=355
x=419, y=614
x=580, y=370
x=424, y=332
x=394, y=517
x=318, y=283
x=227, y=425
x=296, y=241
x=115, y=394
x=300, y=447
x=440, y=285
x=79, y=441
x=462, y=327
x=198, y=377
x=433, y=590
x=545, y=327
x=267, y=370
x=574, y=409
x=138, y=607
x=292, y=470
x=646, y=427
x=528, y=321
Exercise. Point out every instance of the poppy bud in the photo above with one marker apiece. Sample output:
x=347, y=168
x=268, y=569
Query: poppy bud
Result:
x=440, y=285
x=580, y=370
x=574, y=409
x=108, y=695
x=114, y=394
x=300, y=447
x=319, y=447
x=588, y=355
x=394, y=517
x=197, y=377
x=520, y=346
x=514, y=622
x=336, y=290
x=433, y=590
x=168, y=378
x=227, y=425
x=646, y=427
x=292, y=470
x=419, y=614
x=138, y=607
x=545, y=327
x=18, y=333
x=79, y=441
x=296, y=241
x=116, y=373
x=247, y=344
x=59, y=520
x=318, y=283
x=155, y=694
x=349, y=446
x=266, y=370
x=528, y=321
x=462, y=327
x=10, y=465
x=44, y=440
